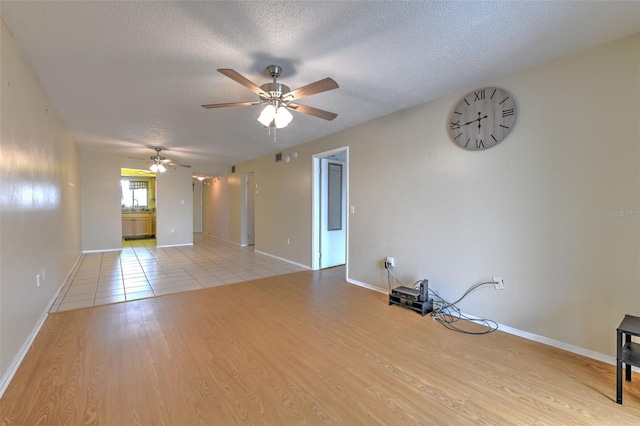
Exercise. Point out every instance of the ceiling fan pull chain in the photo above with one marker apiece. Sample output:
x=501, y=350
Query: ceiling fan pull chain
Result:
x=274, y=133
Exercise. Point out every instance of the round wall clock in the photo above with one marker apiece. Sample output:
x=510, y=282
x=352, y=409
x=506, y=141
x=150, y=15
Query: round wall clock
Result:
x=482, y=118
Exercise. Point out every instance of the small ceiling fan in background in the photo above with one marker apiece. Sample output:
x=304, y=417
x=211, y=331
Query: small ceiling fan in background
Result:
x=279, y=99
x=159, y=163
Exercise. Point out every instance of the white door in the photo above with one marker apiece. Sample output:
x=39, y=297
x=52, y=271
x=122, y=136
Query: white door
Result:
x=333, y=199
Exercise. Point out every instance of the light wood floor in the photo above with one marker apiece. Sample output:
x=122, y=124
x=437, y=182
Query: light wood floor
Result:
x=303, y=348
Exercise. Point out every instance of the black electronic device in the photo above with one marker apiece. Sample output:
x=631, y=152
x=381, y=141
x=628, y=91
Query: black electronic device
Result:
x=416, y=299
x=407, y=293
x=424, y=290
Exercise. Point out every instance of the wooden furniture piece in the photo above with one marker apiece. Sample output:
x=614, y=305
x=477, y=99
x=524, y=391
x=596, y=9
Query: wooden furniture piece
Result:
x=136, y=225
x=627, y=353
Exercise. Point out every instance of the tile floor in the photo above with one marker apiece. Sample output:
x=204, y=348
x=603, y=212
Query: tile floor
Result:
x=142, y=270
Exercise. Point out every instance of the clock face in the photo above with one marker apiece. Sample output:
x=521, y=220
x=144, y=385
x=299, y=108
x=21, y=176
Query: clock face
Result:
x=482, y=118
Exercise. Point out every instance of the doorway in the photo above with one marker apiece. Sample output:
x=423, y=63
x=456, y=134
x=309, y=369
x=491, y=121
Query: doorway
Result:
x=247, y=237
x=330, y=200
x=138, y=203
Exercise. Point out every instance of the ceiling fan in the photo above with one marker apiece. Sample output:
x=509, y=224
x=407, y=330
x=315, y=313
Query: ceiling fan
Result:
x=279, y=99
x=159, y=163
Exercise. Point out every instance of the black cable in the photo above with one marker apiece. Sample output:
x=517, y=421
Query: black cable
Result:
x=443, y=312
x=446, y=318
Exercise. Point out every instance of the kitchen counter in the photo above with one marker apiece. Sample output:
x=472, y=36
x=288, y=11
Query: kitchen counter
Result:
x=136, y=211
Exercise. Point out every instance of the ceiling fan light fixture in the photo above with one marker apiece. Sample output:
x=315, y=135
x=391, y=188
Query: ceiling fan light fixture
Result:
x=267, y=115
x=283, y=117
x=157, y=163
x=279, y=98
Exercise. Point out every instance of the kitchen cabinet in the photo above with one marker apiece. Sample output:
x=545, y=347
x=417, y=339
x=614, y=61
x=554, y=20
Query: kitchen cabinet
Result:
x=136, y=225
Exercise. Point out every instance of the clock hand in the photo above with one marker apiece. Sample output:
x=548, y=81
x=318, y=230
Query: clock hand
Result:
x=477, y=119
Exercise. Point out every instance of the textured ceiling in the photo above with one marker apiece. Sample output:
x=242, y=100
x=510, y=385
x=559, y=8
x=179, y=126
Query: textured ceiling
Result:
x=126, y=76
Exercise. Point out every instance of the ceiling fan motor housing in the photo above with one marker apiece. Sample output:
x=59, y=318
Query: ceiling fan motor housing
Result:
x=275, y=90
x=279, y=95
x=157, y=158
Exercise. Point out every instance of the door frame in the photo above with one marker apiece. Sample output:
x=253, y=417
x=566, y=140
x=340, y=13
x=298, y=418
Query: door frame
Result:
x=315, y=207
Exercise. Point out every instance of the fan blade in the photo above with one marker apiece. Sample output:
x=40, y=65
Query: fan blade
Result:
x=139, y=159
x=313, y=88
x=313, y=111
x=235, y=76
x=230, y=104
x=173, y=163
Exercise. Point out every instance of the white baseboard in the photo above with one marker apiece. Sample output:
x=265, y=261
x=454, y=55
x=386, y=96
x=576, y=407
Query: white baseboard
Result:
x=17, y=360
x=365, y=285
x=175, y=245
x=557, y=344
x=524, y=334
x=283, y=259
x=101, y=251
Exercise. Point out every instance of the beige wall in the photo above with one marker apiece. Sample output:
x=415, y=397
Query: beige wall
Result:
x=39, y=203
x=101, y=211
x=538, y=209
x=102, y=214
x=174, y=212
x=215, y=207
x=234, y=186
x=282, y=204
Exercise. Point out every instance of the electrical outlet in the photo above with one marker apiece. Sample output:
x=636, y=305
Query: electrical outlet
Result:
x=498, y=283
x=38, y=280
x=390, y=262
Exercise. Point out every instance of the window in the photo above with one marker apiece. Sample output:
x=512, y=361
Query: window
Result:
x=134, y=193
